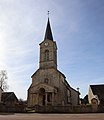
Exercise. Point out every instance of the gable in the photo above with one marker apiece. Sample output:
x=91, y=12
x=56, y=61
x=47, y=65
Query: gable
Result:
x=98, y=90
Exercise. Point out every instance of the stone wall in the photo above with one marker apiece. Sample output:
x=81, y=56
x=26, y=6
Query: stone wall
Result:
x=12, y=109
x=68, y=109
x=52, y=109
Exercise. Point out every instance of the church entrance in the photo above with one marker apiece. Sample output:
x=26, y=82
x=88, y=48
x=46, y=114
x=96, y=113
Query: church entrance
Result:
x=42, y=97
x=43, y=100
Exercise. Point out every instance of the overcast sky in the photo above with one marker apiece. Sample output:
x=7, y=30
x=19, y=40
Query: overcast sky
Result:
x=77, y=27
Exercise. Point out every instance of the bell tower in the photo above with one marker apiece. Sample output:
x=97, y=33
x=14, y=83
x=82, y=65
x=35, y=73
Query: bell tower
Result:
x=48, y=50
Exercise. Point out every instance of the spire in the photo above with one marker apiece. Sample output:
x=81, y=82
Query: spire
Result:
x=48, y=33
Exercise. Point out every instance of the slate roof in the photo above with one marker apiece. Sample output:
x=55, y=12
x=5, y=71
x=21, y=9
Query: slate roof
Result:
x=48, y=33
x=99, y=91
x=8, y=96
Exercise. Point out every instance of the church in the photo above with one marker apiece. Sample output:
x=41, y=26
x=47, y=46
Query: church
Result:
x=49, y=86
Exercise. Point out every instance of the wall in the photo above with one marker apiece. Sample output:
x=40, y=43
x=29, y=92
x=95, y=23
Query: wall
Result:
x=75, y=97
x=90, y=95
x=65, y=109
x=17, y=108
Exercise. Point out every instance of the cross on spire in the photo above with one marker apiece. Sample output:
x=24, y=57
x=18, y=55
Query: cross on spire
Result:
x=48, y=33
x=48, y=14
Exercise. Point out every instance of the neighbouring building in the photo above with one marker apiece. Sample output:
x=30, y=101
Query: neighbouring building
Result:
x=96, y=94
x=84, y=101
x=9, y=99
x=49, y=86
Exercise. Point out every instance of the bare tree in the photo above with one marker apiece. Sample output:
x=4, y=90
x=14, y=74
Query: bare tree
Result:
x=3, y=80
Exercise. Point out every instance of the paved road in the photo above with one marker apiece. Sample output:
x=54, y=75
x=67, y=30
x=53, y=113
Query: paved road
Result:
x=98, y=116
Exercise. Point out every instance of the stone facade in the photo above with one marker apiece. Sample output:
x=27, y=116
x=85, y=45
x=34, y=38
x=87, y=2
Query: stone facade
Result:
x=49, y=86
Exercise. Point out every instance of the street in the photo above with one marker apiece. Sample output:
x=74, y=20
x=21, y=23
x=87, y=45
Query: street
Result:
x=35, y=116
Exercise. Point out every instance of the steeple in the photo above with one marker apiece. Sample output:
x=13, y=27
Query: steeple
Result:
x=48, y=50
x=48, y=33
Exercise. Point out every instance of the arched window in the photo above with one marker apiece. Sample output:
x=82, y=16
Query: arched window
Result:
x=46, y=55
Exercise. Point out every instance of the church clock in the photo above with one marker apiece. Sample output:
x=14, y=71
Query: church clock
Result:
x=46, y=44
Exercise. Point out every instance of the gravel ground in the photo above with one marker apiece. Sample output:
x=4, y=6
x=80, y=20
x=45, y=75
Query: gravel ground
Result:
x=34, y=116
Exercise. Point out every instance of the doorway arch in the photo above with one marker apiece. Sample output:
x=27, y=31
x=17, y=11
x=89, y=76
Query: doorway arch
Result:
x=42, y=97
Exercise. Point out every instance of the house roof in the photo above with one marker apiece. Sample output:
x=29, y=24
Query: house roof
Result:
x=8, y=96
x=99, y=91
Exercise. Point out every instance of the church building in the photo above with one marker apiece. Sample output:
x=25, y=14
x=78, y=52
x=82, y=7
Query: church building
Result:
x=49, y=86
